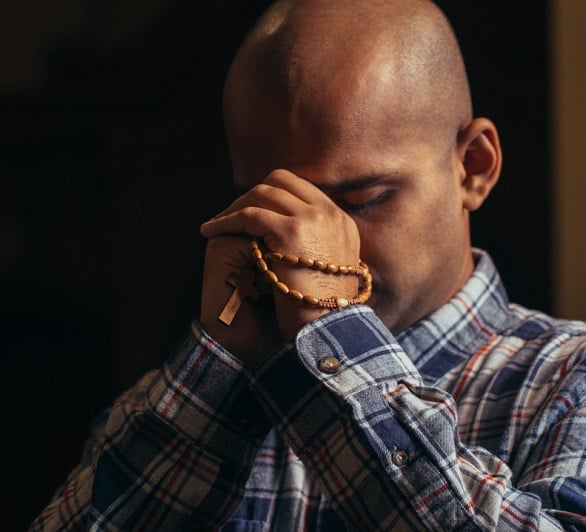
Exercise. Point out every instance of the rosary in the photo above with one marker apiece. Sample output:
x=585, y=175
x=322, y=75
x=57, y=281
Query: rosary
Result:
x=246, y=284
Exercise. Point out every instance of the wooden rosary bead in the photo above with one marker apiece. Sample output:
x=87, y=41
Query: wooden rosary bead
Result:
x=328, y=302
x=296, y=294
x=257, y=253
x=282, y=287
x=272, y=276
x=262, y=265
x=306, y=261
x=311, y=300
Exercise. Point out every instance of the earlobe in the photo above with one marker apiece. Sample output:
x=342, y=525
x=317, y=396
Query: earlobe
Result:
x=481, y=158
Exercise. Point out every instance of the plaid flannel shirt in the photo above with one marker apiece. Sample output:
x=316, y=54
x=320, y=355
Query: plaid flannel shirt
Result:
x=472, y=419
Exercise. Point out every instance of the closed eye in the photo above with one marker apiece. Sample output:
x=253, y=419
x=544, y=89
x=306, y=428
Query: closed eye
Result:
x=355, y=203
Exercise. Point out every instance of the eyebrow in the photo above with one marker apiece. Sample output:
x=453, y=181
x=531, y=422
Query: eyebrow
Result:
x=348, y=185
x=356, y=183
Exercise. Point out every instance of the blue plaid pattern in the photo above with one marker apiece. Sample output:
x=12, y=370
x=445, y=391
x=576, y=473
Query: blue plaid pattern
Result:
x=472, y=419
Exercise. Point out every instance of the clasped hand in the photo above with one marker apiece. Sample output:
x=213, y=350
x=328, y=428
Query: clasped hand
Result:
x=289, y=214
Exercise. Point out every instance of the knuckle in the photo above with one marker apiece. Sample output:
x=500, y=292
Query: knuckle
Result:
x=277, y=176
x=249, y=212
x=262, y=189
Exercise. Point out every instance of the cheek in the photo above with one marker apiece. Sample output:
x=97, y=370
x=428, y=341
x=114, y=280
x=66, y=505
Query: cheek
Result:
x=386, y=248
x=449, y=219
x=411, y=235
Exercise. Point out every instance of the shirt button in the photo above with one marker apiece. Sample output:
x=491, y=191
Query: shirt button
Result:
x=399, y=458
x=328, y=365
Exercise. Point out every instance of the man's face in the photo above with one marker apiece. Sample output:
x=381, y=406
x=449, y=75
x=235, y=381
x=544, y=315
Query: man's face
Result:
x=399, y=184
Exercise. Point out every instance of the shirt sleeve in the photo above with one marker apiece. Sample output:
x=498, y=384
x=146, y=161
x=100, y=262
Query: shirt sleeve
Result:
x=173, y=453
x=385, y=448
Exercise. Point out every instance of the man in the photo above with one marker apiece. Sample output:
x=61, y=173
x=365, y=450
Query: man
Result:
x=439, y=405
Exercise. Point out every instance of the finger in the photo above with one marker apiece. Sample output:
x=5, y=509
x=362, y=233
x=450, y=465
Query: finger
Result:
x=282, y=191
x=296, y=185
x=267, y=196
x=253, y=221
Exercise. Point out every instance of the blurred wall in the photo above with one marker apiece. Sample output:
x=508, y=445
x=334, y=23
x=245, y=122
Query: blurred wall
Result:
x=110, y=126
x=568, y=83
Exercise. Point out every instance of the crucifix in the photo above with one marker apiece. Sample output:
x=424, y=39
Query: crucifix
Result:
x=243, y=287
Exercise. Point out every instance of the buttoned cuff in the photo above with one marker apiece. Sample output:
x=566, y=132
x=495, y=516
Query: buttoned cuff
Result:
x=342, y=365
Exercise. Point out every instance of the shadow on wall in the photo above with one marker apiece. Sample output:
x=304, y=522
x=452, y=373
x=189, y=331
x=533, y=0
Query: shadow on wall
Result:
x=104, y=158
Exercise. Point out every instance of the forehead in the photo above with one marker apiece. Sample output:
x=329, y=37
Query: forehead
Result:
x=325, y=110
x=342, y=125
x=331, y=165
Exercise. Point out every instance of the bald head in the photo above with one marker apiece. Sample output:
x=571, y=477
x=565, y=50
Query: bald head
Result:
x=368, y=100
x=316, y=62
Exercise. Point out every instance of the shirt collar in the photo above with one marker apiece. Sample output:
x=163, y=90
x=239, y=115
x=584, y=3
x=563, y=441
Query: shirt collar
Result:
x=461, y=326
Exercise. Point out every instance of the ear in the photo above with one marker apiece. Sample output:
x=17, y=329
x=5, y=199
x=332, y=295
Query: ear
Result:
x=480, y=156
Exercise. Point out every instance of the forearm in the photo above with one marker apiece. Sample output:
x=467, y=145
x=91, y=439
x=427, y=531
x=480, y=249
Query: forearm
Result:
x=173, y=452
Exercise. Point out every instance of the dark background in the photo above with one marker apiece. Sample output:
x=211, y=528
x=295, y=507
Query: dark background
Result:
x=102, y=172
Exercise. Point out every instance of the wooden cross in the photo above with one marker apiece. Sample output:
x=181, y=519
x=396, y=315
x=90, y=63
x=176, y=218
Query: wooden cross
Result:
x=243, y=287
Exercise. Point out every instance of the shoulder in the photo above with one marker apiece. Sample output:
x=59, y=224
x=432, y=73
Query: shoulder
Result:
x=532, y=324
x=556, y=347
